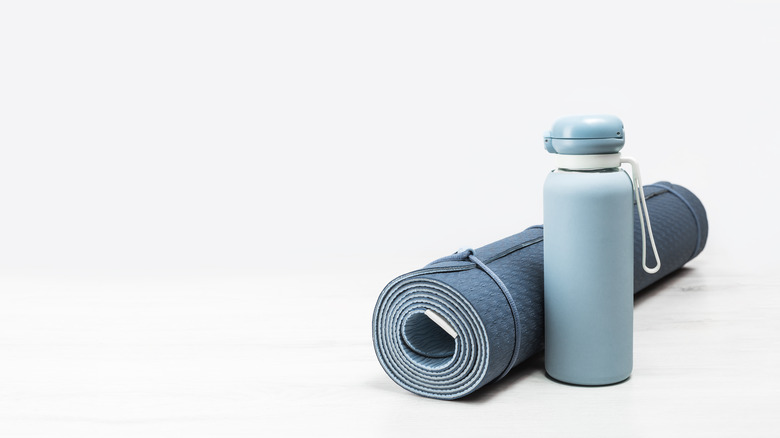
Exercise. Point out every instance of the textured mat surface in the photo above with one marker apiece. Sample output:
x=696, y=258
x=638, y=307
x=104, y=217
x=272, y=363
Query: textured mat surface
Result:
x=490, y=338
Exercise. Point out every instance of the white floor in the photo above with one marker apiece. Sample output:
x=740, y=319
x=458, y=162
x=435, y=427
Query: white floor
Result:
x=235, y=355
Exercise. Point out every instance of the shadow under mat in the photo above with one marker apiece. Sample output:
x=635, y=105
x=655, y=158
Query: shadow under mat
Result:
x=535, y=363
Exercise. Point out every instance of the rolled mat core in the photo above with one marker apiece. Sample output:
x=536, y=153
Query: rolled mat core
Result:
x=465, y=320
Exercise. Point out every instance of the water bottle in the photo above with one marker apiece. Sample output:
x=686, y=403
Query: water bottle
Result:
x=589, y=251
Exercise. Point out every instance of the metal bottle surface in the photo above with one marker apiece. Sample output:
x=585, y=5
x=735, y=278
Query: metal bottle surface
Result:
x=588, y=276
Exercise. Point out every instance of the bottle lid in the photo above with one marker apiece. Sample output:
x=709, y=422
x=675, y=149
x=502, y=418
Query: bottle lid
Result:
x=585, y=135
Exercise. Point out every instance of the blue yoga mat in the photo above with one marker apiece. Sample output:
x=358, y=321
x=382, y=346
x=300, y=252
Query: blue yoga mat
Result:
x=489, y=329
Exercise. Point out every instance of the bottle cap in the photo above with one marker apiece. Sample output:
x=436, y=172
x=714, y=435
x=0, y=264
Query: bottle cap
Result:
x=585, y=135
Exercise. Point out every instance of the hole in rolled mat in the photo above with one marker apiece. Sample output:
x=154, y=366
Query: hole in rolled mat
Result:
x=423, y=336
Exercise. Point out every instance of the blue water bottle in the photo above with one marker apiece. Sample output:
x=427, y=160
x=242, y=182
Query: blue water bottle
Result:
x=589, y=252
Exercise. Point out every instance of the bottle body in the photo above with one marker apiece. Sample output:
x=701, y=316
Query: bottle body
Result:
x=589, y=276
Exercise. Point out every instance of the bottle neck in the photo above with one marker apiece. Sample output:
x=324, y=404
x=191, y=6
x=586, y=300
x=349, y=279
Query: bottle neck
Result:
x=588, y=162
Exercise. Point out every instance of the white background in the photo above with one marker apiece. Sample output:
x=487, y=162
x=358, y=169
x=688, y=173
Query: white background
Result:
x=200, y=202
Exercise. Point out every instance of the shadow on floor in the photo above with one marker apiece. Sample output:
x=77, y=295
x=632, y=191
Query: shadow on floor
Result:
x=660, y=285
x=535, y=364
x=532, y=365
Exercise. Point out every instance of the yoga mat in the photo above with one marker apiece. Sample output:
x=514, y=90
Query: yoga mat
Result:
x=489, y=302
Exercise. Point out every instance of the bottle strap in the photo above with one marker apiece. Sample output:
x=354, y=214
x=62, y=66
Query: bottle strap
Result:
x=641, y=206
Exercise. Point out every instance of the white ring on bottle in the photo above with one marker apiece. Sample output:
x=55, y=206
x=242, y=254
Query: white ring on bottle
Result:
x=587, y=162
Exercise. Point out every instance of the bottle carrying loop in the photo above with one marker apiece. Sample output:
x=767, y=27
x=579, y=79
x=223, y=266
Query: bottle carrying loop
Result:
x=641, y=206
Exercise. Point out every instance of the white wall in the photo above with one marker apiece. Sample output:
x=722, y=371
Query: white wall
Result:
x=179, y=136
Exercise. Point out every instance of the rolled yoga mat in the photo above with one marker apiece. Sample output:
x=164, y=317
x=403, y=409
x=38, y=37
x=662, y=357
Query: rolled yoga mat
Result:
x=465, y=320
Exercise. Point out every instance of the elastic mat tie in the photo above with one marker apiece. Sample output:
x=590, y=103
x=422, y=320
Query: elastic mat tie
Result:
x=467, y=254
